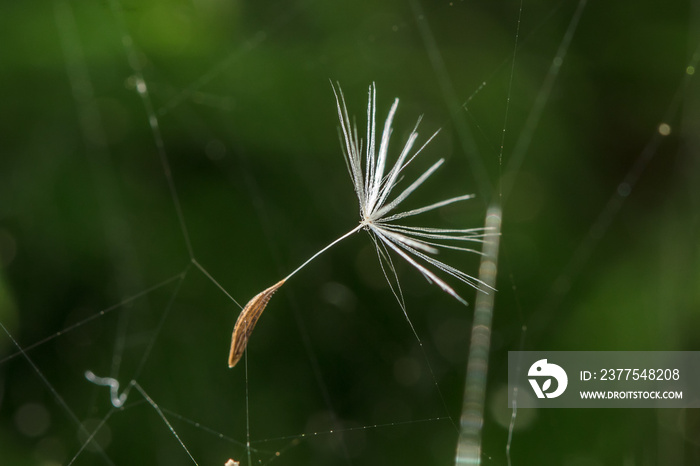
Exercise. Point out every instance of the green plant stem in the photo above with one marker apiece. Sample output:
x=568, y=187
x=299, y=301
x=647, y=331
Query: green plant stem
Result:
x=472, y=420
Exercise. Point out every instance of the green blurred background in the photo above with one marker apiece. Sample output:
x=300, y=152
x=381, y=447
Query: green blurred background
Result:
x=242, y=94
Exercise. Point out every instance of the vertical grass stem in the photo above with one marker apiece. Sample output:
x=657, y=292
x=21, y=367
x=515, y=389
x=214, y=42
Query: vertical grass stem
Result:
x=472, y=419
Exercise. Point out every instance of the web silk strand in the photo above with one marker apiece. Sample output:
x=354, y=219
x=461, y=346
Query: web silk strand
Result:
x=142, y=89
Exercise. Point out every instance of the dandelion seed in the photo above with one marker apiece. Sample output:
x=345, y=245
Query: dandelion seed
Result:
x=374, y=184
x=246, y=322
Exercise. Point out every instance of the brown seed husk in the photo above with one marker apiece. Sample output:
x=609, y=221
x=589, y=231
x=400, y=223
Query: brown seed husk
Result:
x=246, y=322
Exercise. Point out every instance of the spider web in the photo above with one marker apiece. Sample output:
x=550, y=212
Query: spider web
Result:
x=169, y=161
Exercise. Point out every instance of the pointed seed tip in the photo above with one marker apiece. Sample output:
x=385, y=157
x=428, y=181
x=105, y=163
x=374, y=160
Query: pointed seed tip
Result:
x=246, y=322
